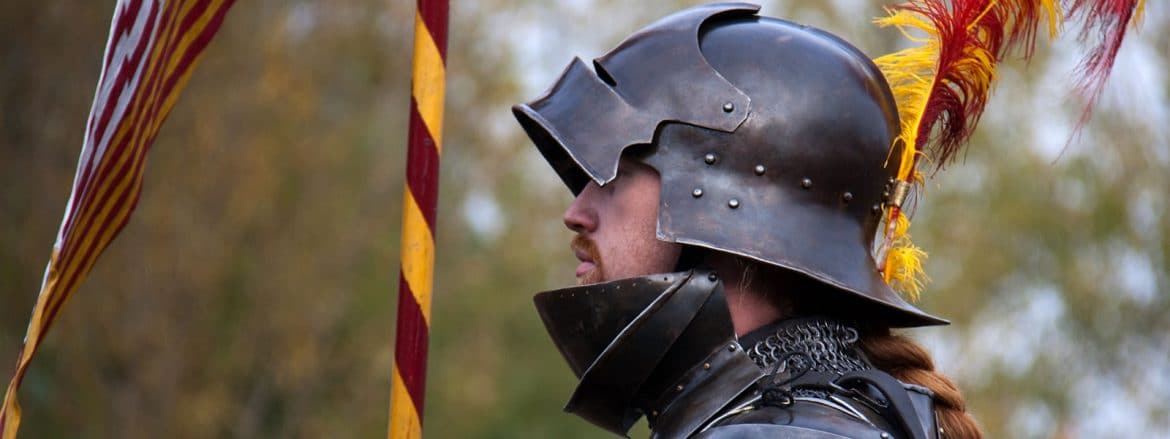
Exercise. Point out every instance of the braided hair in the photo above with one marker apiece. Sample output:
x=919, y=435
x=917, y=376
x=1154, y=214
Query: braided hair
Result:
x=909, y=362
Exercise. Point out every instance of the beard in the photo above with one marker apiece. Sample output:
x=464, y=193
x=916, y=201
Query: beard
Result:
x=586, y=245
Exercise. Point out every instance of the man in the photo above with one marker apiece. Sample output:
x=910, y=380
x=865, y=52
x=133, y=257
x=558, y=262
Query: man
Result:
x=731, y=172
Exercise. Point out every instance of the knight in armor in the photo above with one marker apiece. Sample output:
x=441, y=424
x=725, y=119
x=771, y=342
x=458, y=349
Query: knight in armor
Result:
x=736, y=180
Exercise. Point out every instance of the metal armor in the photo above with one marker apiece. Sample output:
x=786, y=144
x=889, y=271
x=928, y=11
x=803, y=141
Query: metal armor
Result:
x=662, y=346
x=772, y=140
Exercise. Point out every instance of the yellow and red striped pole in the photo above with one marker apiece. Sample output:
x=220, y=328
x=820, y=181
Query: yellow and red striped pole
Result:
x=424, y=144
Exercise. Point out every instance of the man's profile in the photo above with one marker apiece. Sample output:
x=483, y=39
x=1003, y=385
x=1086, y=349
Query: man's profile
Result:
x=739, y=186
x=730, y=174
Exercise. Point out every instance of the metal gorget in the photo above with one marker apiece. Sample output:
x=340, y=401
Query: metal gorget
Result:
x=660, y=346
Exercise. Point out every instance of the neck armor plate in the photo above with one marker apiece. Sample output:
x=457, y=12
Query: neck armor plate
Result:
x=640, y=345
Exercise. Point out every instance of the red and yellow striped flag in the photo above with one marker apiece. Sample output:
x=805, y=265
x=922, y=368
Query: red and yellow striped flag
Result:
x=153, y=47
x=424, y=144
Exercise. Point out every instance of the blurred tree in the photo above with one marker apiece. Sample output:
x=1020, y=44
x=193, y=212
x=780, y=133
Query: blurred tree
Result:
x=252, y=294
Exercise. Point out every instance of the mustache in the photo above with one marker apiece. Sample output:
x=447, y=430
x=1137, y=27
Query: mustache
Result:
x=585, y=245
x=581, y=244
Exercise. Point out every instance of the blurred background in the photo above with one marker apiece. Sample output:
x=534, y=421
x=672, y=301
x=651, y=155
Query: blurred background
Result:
x=253, y=292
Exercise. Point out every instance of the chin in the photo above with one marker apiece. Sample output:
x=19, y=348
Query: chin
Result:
x=591, y=277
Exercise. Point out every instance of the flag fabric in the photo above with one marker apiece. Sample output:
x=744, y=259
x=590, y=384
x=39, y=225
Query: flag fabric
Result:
x=153, y=47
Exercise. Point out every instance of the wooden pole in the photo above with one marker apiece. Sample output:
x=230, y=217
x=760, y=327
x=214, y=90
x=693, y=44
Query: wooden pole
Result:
x=424, y=145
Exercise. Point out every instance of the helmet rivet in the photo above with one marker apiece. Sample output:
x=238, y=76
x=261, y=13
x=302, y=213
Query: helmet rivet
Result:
x=678, y=388
x=709, y=158
x=698, y=192
x=760, y=169
x=848, y=196
x=732, y=347
x=712, y=277
x=728, y=107
x=733, y=203
x=885, y=435
x=806, y=183
x=706, y=366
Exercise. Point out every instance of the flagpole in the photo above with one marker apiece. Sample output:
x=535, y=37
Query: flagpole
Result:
x=424, y=145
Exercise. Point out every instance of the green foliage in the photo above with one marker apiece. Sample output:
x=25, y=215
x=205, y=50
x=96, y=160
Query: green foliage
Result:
x=253, y=292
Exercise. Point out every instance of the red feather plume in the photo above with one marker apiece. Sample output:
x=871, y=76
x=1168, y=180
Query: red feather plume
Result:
x=1106, y=21
x=942, y=86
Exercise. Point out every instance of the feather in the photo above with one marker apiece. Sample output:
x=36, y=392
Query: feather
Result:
x=942, y=87
x=1106, y=20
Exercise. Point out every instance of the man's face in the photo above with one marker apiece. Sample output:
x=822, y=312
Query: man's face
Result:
x=616, y=226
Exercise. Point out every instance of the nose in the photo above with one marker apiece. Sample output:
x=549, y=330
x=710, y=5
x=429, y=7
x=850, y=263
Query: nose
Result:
x=581, y=216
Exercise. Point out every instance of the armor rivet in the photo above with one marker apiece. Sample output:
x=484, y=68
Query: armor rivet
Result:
x=697, y=193
x=678, y=388
x=885, y=435
x=712, y=277
x=709, y=158
x=728, y=107
x=654, y=413
x=877, y=208
x=848, y=196
x=733, y=203
x=806, y=183
x=731, y=347
x=760, y=169
x=706, y=366
x=885, y=195
x=891, y=181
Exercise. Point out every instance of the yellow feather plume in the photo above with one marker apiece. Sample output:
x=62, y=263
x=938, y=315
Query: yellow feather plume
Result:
x=942, y=86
